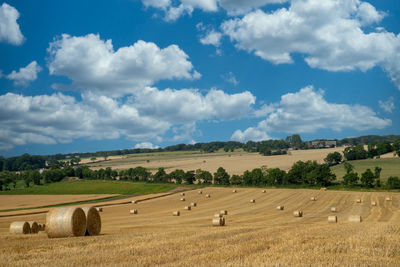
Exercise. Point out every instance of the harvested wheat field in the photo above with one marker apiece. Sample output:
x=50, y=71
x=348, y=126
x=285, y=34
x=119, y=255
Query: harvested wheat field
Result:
x=8, y=202
x=254, y=234
x=234, y=163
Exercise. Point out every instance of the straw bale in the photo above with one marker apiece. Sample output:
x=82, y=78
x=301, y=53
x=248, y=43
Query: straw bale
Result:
x=333, y=209
x=93, y=221
x=223, y=221
x=218, y=215
x=373, y=203
x=134, y=202
x=200, y=192
x=388, y=198
x=20, y=228
x=65, y=222
x=234, y=190
x=218, y=221
x=188, y=207
x=34, y=227
x=208, y=196
x=193, y=204
x=280, y=207
x=323, y=189
x=223, y=212
x=358, y=200
x=264, y=191
x=182, y=199
x=298, y=213
x=99, y=209
x=182, y=194
x=252, y=201
x=332, y=219
x=313, y=198
x=176, y=213
x=355, y=218
x=134, y=211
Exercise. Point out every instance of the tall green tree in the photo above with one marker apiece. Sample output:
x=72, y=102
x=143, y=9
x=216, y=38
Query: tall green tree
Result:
x=333, y=158
x=221, y=176
x=367, y=178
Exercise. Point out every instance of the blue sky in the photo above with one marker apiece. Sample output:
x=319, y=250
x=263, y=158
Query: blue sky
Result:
x=80, y=76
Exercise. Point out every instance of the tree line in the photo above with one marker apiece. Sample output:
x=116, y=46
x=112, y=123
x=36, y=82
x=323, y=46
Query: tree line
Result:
x=307, y=174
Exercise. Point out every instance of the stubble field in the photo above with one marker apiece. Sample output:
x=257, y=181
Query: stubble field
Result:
x=255, y=234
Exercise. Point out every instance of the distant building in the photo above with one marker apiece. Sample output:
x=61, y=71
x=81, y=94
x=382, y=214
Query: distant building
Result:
x=323, y=143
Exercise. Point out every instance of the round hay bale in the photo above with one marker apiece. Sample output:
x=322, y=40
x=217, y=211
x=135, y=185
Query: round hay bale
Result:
x=182, y=194
x=99, y=209
x=323, y=189
x=373, y=203
x=176, y=213
x=234, y=190
x=200, y=192
x=134, y=202
x=22, y=228
x=223, y=212
x=34, y=227
x=134, y=211
x=188, y=207
x=333, y=209
x=193, y=204
x=280, y=207
x=65, y=222
x=182, y=199
x=252, y=201
x=218, y=221
x=332, y=219
x=93, y=221
x=388, y=199
x=208, y=196
x=298, y=213
x=218, y=215
x=313, y=198
x=355, y=218
x=223, y=221
x=264, y=191
x=358, y=200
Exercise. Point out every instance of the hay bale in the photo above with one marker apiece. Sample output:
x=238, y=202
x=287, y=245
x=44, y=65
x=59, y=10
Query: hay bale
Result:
x=176, y=213
x=358, y=200
x=182, y=199
x=313, y=198
x=234, y=191
x=182, y=194
x=188, y=207
x=388, y=199
x=65, y=222
x=218, y=221
x=333, y=209
x=373, y=203
x=200, y=192
x=332, y=219
x=99, y=209
x=223, y=212
x=22, y=228
x=279, y=207
x=264, y=191
x=193, y=204
x=223, y=221
x=34, y=227
x=134, y=202
x=252, y=201
x=323, y=189
x=134, y=211
x=298, y=213
x=355, y=218
x=93, y=221
x=218, y=215
x=208, y=196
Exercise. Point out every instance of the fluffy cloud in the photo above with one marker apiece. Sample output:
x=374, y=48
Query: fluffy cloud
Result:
x=329, y=33
x=211, y=38
x=93, y=65
x=25, y=75
x=146, y=145
x=307, y=111
x=57, y=118
x=175, y=9
x=387, y=105
x=9, y=28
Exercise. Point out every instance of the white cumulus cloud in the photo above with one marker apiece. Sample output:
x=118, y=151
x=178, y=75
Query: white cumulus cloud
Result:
x=387, y=105
x=328, y=33
x=307, y=111
x=146, y=145
x=25, y=75
x=9, y=28
x=93, y=65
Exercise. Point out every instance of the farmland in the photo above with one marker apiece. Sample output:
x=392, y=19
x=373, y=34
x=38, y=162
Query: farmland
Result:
x=255, y=234
x=234, y=162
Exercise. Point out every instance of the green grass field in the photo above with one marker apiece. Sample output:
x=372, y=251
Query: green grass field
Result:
x=92, y=187
x=390, y=167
